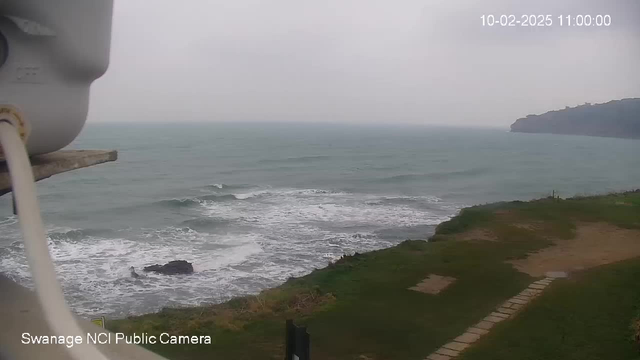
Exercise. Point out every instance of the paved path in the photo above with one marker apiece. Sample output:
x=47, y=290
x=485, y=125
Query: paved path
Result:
x=505, y=311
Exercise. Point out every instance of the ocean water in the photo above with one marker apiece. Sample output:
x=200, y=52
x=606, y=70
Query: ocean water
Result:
x=253, y=204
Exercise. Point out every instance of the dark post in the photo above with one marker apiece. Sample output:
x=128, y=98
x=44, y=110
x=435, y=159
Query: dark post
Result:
x=306, y=345
x=297, y=346
x=289, y=340
x=13, y=202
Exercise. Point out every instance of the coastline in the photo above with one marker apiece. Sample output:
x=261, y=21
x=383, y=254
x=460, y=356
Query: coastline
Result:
x=614, y=119
x=354, y=294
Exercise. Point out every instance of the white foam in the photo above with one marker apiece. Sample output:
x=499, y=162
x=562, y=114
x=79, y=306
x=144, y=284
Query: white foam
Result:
x=279, y=233
x=289, y=193
x=251, y=194
x=300, y=206
x=8, y=221
x=95, y=274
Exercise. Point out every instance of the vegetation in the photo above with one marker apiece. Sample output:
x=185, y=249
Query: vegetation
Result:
x=588, y=317
x=619, y=118
x=360, y=307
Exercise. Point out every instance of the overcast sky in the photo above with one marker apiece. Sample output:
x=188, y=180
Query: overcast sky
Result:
x=366, y=61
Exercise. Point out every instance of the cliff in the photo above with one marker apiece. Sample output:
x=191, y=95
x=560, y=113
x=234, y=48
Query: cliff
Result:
x=618, y=118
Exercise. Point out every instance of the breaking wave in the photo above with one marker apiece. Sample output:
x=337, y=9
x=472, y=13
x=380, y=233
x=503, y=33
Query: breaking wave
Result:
x=200, y=200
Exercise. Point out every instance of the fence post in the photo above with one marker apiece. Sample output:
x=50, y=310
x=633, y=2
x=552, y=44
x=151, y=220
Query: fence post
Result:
x=297, y=345
x=306, y=345
x=289, y=340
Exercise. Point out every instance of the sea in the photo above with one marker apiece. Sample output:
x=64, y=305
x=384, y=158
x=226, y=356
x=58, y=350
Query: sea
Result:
x=252, y=204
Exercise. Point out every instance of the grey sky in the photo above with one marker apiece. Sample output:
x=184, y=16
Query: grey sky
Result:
x=405, y=61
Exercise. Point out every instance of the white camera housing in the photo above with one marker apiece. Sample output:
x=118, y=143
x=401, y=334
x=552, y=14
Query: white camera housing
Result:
x=50, y=53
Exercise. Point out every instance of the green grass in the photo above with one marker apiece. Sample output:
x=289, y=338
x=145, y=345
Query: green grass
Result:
x=466, y=220
x=588, y=317
x=361, y=305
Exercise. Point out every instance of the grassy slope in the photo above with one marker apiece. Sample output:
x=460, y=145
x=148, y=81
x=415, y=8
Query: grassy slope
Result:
x=584, y=318
x=361, y=305
x=587, y=317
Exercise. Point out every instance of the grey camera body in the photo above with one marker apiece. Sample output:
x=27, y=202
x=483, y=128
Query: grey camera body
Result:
x=50, y=53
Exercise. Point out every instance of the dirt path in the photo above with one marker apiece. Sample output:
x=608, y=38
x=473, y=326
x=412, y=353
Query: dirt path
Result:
x=594, y=244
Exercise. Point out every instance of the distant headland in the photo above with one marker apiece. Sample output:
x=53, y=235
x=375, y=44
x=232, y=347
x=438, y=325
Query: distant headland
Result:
x=617, y=118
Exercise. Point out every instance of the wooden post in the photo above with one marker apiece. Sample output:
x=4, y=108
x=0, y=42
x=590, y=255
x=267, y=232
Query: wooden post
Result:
x=13, y=201
x=289, y=340
x=306, y=345
x=297, y=345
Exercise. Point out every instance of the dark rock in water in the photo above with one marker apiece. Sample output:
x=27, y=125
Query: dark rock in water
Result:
x=134, y=274
x=171, y=268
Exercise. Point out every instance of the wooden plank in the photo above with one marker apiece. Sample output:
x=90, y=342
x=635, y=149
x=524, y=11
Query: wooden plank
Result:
x=47, y=165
